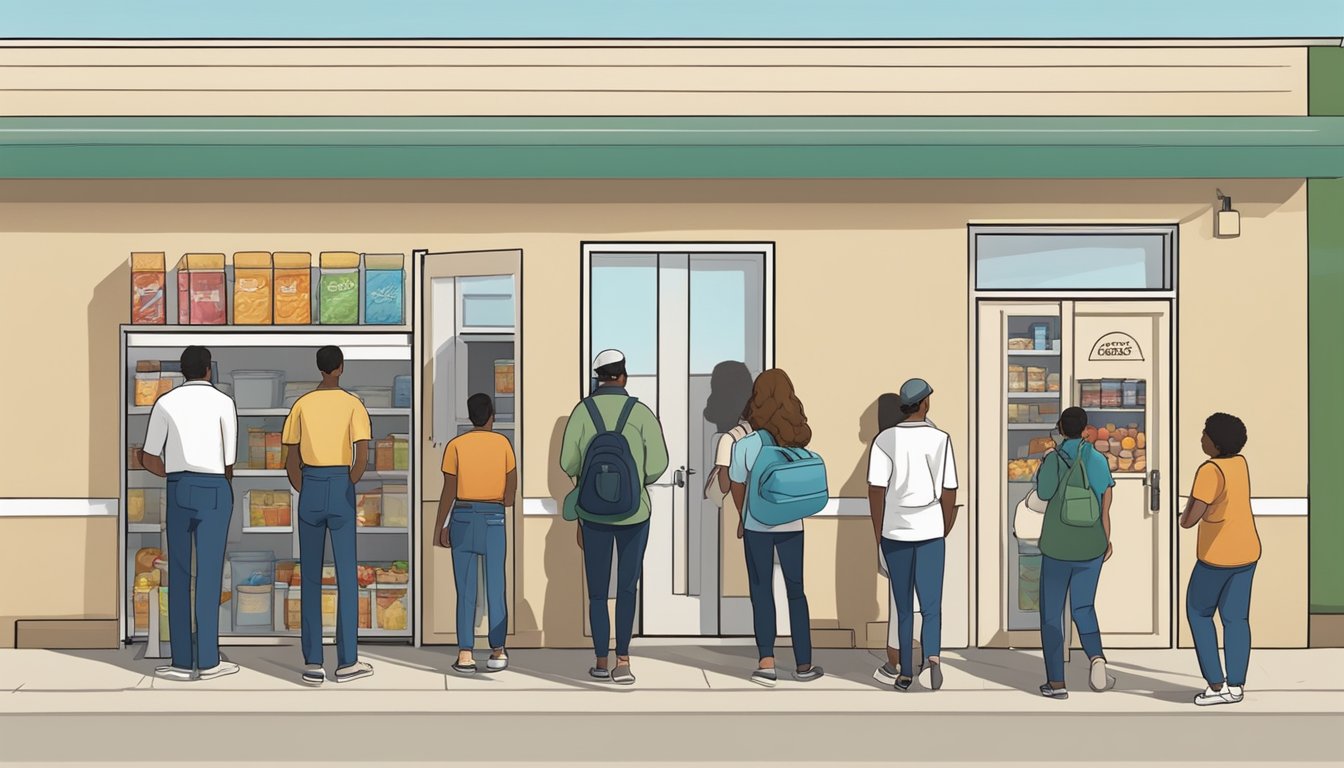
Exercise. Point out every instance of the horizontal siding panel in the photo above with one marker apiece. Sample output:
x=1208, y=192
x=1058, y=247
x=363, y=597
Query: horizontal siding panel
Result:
x=651, y=80
x=798, y=79
x=385, y=103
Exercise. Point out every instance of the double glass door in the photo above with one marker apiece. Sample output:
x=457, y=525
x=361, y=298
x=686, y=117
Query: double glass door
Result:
x=695, y=330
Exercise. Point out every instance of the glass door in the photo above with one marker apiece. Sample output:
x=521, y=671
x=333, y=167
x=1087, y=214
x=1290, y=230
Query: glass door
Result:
x=469, y=343
x=693, y=327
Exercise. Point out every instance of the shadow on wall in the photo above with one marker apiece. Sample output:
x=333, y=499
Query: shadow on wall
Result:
x=563, y=565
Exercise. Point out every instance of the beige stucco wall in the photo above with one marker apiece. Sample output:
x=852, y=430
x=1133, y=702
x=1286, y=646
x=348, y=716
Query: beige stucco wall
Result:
x=57, y=568
x=871, y=288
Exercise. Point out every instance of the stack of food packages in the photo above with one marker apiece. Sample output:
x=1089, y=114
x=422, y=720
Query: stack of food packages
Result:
x=151, y=572
x=387, y=506
x=392, y=453
x=265, y=449
x=269, y=509
x=1024, y=469
x=1125, y=448
x=392, y=609
x=1044, y=412
x=141, y=502
x=271, y=288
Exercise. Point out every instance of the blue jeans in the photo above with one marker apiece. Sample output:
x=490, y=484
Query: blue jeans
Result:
x=199, y=508
x=917, y=567
x=629, y=542
x=1078, y=580
x=477, y=531
x=761, y=547
x=1228, y=590
x=327, y=504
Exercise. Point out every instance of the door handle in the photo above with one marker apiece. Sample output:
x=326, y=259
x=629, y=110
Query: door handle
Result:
x=1154, y=484
x=680, y=476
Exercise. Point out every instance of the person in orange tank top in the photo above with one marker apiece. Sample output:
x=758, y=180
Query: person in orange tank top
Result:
x=1229, y=548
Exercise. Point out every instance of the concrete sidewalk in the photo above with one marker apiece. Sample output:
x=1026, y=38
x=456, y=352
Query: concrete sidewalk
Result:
x=671, y=678
x=691, y=705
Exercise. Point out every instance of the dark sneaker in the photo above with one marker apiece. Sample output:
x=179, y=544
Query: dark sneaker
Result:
x=935, y=675
x=468, y=668
x=903, y=683
x=622, y=675
x=812, y=673
x=598, y=673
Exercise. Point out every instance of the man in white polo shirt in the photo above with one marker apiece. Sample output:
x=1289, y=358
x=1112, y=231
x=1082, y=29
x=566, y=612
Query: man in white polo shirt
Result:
x=912, y=497
x=192, y=440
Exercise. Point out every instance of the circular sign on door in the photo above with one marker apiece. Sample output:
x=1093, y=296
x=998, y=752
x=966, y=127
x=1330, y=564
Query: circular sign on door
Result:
x=1116, y=346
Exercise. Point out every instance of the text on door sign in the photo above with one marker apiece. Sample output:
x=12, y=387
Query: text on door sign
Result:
x=1116, y=346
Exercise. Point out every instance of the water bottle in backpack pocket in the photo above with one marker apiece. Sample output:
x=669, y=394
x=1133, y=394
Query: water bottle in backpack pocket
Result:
x=786, y=484
x=609, y=482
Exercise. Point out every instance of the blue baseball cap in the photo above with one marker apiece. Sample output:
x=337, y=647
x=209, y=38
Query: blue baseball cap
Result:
x=914, y=391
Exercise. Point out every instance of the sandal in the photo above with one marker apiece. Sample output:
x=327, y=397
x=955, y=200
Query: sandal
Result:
x=465, y=669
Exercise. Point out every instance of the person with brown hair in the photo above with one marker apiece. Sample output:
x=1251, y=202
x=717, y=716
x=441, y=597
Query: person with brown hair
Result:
x=774, y=410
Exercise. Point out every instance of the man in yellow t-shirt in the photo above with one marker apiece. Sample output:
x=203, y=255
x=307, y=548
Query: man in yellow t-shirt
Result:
x=480, y=479
x=1229, y=548
x=328, y=433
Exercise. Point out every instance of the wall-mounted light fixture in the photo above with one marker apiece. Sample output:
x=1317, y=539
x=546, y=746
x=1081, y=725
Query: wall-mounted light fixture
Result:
x=1226, y=222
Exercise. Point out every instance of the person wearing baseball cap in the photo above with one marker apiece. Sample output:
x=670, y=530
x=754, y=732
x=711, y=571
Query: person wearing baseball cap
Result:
x=607, y=519
x=912, y=498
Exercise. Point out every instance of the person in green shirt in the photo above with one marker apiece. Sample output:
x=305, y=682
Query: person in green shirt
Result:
x=598, y=534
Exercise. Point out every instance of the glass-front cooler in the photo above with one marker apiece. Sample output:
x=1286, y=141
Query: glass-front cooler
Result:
x=1034, y=361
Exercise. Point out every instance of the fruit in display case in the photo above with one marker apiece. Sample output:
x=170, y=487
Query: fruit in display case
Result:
x=397, y=573
x=391, y=609
x=365, y=574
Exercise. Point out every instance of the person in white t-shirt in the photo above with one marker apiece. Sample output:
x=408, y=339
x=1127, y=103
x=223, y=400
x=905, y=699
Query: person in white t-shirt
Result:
x=912, y=498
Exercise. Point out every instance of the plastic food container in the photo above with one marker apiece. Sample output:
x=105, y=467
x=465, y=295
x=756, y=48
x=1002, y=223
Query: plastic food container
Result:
x=268, y=509
x=391, y=604
x=258, y=389
x=149, y=279
x=401, y=392
x=365, y=609
x=275, y=456
x=374, y=397
x=296, y=389
x=146, y=388
x=384, y=288
x=338, y=289
x=293, y=288
x=384, y=454
x=253, y=276
x=401, y=453
x=201, y=295
x=369, y=508
x=253, y=580
x=396, y=506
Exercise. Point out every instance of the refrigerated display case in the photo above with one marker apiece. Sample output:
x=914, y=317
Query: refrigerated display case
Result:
x=263, y=525
x=1033, y=359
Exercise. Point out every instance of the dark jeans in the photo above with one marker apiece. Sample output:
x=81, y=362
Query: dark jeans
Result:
x=199, y=508
x=477, y=532
x=327, y=504
x=916, y=567
x=629, y=542
x=1078, y=580
x=761, y=547
x=1228, y=590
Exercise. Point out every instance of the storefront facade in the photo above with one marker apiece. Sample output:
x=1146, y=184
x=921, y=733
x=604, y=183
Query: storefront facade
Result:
x=852, y=252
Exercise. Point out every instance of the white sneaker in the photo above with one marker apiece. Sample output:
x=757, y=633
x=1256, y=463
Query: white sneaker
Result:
x=1211, y=697
x=219, y=670
x=1235, y=692
x=170, y=672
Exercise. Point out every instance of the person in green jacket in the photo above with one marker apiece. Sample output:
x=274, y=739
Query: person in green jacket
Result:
x=599, y=534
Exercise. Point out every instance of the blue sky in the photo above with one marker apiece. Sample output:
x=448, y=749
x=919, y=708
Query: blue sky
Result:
x=672, y=18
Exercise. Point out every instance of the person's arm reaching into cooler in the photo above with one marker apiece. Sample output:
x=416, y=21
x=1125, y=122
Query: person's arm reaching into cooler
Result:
x=156, y=439
x=361, y=432
x=228, y=432
x=291, y=436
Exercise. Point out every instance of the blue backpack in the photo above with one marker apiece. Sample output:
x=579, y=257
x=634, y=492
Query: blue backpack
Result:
x=609, y=483
x=786, y=484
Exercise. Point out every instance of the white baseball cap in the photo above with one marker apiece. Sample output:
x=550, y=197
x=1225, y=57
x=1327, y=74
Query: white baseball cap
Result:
x=607, y=357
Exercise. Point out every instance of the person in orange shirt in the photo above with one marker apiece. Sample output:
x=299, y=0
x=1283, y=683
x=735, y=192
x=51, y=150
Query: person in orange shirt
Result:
x=480, y=479
x=1229, y=548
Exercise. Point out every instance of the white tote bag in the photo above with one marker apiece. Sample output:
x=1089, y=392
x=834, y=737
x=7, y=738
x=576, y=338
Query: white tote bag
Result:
x=1029, y=517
